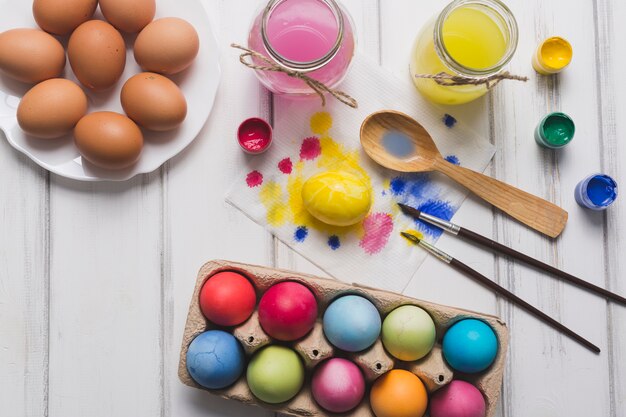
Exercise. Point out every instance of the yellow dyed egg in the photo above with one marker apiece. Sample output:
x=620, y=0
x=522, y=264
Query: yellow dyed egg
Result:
x=337, y=198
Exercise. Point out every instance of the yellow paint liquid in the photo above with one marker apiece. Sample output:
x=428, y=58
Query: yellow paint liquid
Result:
x=473, y=37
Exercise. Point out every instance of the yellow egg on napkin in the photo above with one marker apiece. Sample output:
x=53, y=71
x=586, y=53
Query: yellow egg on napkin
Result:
x=337, y=198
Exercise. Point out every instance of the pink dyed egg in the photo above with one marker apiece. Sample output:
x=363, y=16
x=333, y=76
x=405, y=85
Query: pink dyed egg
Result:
x=287, y=311
x=338, y=385
x=457, y=399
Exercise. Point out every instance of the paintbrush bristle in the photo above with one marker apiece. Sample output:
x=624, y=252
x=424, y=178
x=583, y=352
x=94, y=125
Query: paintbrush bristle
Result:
x=411, y=237
x=408, y=210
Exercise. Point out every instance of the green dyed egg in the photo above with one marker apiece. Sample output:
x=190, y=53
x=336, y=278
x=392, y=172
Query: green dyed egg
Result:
x=275, y=374
x=408, y=333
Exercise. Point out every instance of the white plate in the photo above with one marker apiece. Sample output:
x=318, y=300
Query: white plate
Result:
x=198, y=83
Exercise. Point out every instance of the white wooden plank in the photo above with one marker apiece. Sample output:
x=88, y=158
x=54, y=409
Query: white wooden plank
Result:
x=546, y=374
x=104, y=297
x=199, y=225
x=610, y=63
x=23, y=284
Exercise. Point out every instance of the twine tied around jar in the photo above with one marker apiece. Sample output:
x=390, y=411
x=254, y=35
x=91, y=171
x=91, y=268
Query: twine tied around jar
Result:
x=319, y=87
x=491, y=81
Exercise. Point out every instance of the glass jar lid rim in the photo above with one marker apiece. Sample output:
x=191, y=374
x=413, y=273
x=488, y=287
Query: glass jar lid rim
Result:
x=304, y=66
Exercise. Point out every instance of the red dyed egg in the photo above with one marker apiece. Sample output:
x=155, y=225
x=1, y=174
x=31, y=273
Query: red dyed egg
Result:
x=227, y=298
x=287, y=311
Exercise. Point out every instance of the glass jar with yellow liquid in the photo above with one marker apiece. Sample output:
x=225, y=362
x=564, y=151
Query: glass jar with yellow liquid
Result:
x=472, y=39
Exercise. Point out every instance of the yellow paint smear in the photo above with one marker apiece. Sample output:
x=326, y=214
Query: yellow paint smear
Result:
x=271, y=195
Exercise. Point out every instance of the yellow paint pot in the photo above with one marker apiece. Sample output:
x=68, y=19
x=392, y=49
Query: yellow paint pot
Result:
x=552, y=56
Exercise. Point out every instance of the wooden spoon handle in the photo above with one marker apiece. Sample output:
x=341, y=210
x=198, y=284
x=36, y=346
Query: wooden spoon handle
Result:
x=531, y=210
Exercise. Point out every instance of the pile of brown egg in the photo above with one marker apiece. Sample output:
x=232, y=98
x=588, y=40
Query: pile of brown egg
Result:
x=96, y=50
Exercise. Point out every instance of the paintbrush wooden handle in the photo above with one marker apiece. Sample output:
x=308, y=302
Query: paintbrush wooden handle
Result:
x=521, y=303
x=498, y=247
x=531, y=210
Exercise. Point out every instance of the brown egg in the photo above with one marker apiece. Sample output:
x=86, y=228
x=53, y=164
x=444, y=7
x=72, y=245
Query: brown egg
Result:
x=108, y=140
x=128, y=16
x=51, y=108
x=62, y=16
x=154, y=101
x=30, y=55
x=166, y=46
x=97, y=54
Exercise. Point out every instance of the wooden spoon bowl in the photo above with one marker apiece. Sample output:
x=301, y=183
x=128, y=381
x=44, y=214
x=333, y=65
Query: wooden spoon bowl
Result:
x=531, y=210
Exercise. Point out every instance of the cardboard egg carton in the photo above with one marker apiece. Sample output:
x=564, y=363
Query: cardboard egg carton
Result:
x=314, y=348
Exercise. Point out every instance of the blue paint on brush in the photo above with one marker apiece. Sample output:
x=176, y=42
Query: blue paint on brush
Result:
x=453, y=159
x=439, y=208
x=448, y=120
x=334, y=242
x=397, y=144
x=301, y=233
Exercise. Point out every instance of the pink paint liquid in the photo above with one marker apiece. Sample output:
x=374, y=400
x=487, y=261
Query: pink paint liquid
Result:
x=302, y=31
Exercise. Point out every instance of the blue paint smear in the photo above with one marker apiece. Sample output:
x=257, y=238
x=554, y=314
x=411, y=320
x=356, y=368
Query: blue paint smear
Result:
x=398, y=144
x=397, y=185
x=439, y=208
x=601, y=190
x=301, y=233
x=334, y=242
x=453, y=159
x=448, y=120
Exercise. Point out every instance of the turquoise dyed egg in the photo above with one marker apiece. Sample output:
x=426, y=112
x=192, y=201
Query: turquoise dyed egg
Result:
x=408, y=333
x=470, y=346
x=352, y=323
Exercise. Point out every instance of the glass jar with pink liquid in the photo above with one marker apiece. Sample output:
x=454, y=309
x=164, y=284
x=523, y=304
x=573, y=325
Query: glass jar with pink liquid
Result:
x=313, y=37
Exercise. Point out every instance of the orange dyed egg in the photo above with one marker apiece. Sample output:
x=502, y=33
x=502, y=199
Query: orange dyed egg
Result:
x=398, y=393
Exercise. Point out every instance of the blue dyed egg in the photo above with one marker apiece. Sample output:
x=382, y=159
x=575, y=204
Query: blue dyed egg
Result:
x=215, y=359
x=470, y=346
x=352, y=323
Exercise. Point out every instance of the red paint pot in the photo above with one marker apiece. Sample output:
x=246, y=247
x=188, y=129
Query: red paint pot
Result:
x=254, y=135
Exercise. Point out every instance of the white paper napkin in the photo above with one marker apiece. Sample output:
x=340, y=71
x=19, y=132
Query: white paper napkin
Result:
x=309, y=139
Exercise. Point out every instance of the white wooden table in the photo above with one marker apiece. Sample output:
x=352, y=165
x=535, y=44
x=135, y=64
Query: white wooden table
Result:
x=95, y=279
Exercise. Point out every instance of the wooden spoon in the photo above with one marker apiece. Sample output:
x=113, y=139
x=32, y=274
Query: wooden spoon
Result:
x=533, y=211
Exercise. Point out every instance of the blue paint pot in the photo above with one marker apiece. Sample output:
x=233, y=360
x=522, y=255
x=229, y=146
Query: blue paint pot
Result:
x=596, y=192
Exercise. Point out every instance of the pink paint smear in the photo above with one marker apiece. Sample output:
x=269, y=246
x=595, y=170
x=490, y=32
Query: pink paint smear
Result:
x=254, y=179
x=310, y=149
x=378, y=228
x=285, y=166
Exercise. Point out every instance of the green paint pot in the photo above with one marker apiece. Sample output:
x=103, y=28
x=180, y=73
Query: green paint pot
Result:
x=555, y=131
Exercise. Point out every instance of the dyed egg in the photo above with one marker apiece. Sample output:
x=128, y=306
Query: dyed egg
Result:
x=167, y=46
x=153, y=101
x=408, y=333
x=457, y=399
x=62, y=16
x=227, y=298
x=128, y=16
x=30, y=55
x=51, y=108
x=97, y=54
x=215, y=359
x=108, y=140
x=275, y=374
x=287, y=311
x=352, y=323
x=398, y=393
x=338, y=385
x=337, y=198
x=470, y=346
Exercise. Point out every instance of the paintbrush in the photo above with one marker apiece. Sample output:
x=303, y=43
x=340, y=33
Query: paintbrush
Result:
x=498, y=247
x=477, y=276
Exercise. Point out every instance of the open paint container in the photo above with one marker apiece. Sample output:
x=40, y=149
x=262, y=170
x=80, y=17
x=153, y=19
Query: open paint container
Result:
x=314, y=347
x=555, y=130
